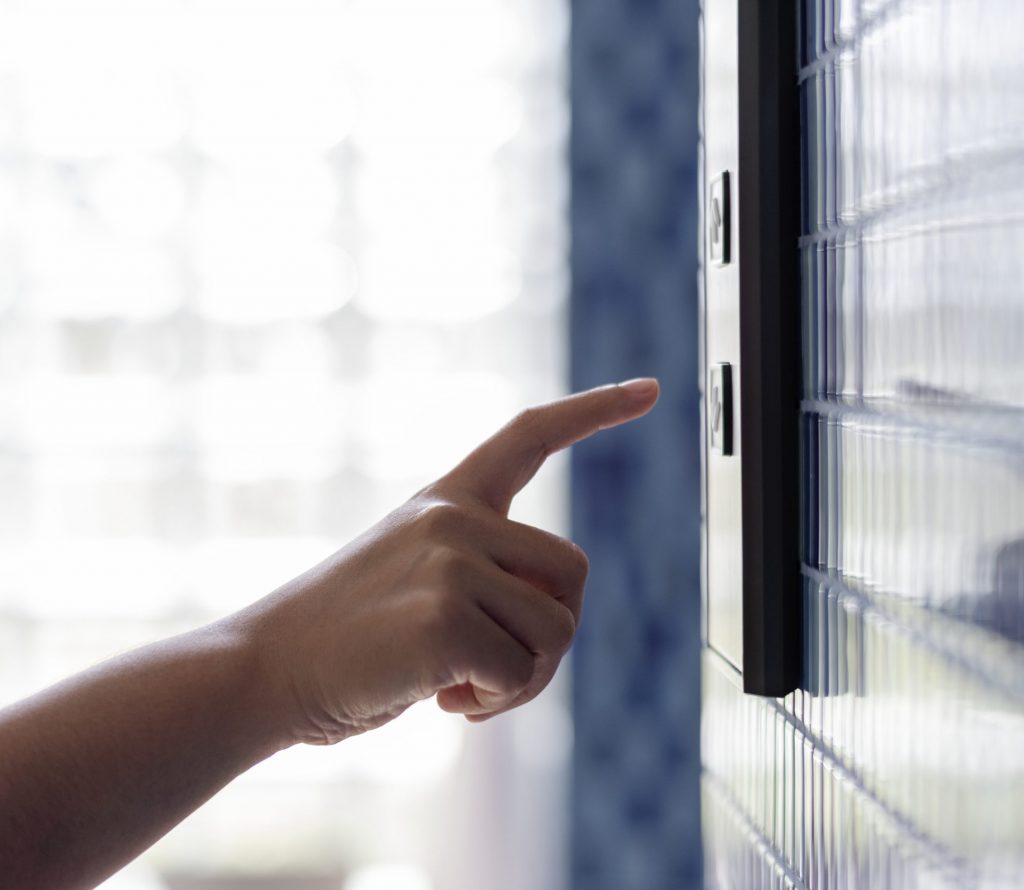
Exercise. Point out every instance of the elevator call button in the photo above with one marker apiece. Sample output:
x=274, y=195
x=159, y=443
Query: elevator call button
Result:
x=720, y=408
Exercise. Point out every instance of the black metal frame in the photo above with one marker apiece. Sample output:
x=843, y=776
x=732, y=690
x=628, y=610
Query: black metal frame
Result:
x=769, y=221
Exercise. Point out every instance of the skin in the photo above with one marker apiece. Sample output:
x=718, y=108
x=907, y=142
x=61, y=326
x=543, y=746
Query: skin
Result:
x=445, y=596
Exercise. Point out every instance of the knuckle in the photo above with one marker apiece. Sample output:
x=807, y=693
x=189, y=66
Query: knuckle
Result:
x=577, y=561
x=444, y=611
x=564, y=628
x=527, y=423
x=441, y=519
x=449, y=568
x=526, y=418
x=520, y=673
x=444, y=521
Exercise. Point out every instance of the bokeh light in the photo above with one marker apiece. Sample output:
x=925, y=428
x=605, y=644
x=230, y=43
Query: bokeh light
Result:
x=266, y=268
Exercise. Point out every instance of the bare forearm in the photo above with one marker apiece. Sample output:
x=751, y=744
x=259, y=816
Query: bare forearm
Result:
x=98, y=767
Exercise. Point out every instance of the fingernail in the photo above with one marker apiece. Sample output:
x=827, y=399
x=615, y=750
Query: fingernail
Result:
x=640, y=387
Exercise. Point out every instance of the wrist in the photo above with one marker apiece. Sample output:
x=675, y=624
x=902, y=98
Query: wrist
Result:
x=262, y=692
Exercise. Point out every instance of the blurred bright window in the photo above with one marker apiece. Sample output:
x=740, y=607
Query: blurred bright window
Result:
x=266, y=268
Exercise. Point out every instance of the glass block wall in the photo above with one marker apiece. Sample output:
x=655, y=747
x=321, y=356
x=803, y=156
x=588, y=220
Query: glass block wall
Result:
x=900, y=761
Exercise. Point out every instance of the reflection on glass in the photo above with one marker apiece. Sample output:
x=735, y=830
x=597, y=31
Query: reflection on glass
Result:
x=900, y=761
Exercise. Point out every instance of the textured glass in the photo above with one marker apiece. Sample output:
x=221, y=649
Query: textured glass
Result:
x=266, y=268
x=900, y=761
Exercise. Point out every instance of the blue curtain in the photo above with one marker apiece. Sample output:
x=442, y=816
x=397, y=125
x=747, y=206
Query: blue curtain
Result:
x=636, y=495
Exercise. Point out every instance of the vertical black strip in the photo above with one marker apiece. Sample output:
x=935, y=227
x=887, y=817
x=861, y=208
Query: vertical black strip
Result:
x=769, y=218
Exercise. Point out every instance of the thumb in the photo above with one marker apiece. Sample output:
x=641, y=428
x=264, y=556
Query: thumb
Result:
x=499, y=468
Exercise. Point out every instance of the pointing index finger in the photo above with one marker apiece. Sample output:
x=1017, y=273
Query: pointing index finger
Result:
x=499, y=468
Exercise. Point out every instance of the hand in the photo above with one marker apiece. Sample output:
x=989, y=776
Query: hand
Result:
x=444, y=596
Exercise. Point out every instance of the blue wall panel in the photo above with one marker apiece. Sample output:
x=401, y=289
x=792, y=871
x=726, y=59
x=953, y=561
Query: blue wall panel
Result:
x=636, y=495
x=900, y=763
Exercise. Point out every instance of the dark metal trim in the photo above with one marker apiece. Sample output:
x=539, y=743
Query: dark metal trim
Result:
x=769, y=220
